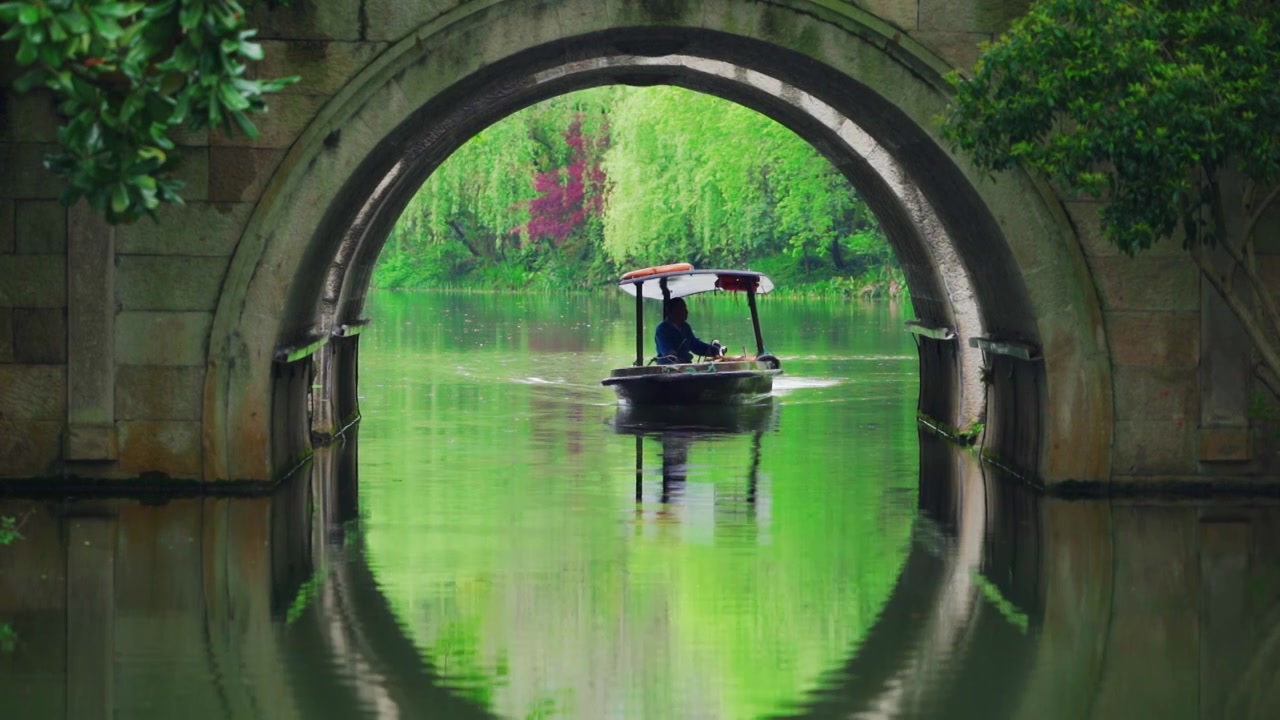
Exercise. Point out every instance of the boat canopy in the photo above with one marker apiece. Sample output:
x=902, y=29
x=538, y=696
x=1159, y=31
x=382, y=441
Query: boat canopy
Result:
x=682, y=283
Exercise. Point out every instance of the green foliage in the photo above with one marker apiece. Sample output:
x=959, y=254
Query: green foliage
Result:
x=679, y=188
x=125, y=76
x=306, y=593
x=9, y=527
x=9, y=530
x=1265, y=410
x=1007, y=610
x=1139, y=102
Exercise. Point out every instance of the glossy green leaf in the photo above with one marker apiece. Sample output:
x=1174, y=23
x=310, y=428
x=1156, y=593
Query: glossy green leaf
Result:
x=27, y=52
x=191, y=14
x=120, y=198
x=119, y=10
x=75, y=21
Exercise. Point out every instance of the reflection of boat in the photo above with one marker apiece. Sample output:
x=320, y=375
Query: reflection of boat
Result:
x=700, y=420
x=677, y=427
x=716, y=380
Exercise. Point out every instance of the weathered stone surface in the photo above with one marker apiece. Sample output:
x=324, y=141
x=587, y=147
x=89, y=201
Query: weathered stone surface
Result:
x=204, y=229
x=1147, y=283
x=6, y=335
x=392, y=20
x=162, y=338
x=959, y=50
x=899, y=13
x=91, y=442
x=192, y=168
x=1084, y=216
x=40, y=335
x=91, y=313
x=654, y=12
x=33, y=392
x=148, y=392
x=7, y=213
x=28, y=117
x=1154, y=338
x=186, y=138
x=286, y=117
x=1226, y=362
x=33, y=281
x=169, y=447
x=24, y=173
x=239, y=175
x=1226, y=444
x=41, y=227
x=1154, y=447
x=30, y=448
x=154, y=282
x=984, y=16
x=323, y=66
x=311, y=20
x=1156, y=393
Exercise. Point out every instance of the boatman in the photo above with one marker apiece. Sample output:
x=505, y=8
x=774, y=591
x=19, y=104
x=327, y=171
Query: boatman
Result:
x=675, y=339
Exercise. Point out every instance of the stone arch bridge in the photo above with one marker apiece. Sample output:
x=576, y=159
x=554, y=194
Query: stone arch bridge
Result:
x=189, y=348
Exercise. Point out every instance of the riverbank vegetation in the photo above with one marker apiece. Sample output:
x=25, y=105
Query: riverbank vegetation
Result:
x=572, y=192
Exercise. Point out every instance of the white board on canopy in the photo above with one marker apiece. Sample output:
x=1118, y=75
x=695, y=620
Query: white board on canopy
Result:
x=692, y=282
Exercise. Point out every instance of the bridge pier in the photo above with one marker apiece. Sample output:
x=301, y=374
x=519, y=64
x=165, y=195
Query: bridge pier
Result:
x=91, y=315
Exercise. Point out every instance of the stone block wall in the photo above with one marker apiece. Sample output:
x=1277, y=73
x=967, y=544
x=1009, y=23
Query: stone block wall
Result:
x=33, y=331
x=1172, y=353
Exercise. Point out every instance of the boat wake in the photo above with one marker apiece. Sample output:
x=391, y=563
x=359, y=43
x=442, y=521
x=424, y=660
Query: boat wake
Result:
x=789, y=383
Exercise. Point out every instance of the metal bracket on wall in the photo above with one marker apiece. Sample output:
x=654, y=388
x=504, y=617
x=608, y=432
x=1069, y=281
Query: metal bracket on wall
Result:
x=293, y=353
x=1011, y=348
x=915, y=327
x=351, y=329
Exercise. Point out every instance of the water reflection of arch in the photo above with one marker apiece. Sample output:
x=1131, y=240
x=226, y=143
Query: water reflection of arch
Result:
x=918, y=659
x=352, y=656
x=178, y=609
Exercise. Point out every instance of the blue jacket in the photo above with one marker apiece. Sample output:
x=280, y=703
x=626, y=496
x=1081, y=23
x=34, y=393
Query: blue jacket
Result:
x=680, y=342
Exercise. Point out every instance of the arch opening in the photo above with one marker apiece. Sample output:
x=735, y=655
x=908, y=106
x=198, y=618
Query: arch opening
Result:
x=965, y=249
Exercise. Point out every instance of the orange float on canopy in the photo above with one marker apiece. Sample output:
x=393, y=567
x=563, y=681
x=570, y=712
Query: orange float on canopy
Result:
x=657, y=270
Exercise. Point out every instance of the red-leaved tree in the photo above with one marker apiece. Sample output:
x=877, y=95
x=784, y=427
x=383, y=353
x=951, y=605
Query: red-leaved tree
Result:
x=570, y=196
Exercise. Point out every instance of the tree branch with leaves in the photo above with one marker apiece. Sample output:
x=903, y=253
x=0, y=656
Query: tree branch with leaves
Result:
x=126, y=76
x=1167, y=109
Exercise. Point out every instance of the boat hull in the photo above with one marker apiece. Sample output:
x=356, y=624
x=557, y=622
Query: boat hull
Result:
x=694, y=383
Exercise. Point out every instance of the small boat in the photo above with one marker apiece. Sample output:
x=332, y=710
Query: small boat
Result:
x=714, y=380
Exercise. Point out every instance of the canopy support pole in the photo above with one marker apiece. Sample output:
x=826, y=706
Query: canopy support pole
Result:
x=639, y=324
x=755, y=320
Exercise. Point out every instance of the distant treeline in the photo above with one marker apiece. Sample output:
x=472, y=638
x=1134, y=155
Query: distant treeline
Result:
x=574, y=191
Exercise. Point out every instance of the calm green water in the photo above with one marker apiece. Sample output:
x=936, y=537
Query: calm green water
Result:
x=502, y=520
x=494, y=540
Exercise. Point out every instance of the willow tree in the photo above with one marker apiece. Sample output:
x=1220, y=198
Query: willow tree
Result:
x=531, y=177
x=694, y=177
x=1167, y=109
